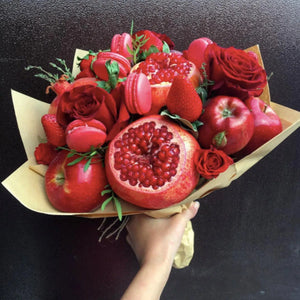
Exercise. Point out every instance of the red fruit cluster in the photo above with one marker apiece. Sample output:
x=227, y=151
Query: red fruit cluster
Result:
x=115, y=102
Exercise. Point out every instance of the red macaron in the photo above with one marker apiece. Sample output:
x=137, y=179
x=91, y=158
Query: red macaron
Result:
x=120, y=44
x=81, y=135
x=138, y=93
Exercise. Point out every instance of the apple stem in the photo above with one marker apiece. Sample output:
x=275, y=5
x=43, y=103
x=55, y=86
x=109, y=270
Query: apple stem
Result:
x=60, y=178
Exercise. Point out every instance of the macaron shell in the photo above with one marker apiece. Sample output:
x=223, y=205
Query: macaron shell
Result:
x=138, y=94
x=120, y=42
x=82, y=138
x=115, y=43
x=129, y=90
x=81, y=135
x=142, y=100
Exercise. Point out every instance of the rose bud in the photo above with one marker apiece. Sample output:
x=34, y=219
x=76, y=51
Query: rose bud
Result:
x=81, y=135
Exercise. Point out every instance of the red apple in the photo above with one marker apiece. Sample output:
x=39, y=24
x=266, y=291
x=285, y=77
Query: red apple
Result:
x=73, y=189
x=267, y=124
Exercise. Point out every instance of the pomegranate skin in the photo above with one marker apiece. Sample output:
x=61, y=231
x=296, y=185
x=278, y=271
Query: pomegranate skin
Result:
x=177, y=188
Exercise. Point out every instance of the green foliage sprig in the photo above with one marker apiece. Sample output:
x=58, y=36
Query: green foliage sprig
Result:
x=202, y=89
x=185, y=124
x=114, y=199
x=88, y=156
x=50, y=77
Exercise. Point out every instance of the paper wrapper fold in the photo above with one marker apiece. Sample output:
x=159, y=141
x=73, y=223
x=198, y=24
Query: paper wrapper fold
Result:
x=29, y=176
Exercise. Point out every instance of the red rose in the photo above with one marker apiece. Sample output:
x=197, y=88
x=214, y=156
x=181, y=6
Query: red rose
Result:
x=234, y=72
x=44, y=153
x=211, y=162
x=87, y=102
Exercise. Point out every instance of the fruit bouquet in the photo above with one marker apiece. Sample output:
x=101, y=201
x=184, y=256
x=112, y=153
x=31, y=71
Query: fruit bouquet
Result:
x=145, y=128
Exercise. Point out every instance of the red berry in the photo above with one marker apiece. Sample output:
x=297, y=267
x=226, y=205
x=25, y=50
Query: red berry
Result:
x=55, y=133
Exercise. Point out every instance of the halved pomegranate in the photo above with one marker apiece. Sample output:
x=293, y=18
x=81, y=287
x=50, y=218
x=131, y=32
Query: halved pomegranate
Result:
x=161, y=68
x=150, y=163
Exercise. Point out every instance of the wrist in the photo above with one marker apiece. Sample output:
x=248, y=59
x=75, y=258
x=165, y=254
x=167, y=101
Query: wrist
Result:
x=159, y=257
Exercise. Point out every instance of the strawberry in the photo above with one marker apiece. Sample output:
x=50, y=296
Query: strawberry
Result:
x=183, y=100
x=85, y=62
x=55, y=133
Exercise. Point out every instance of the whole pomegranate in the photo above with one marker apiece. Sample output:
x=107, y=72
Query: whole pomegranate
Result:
x=161, y=68
x=150, y=163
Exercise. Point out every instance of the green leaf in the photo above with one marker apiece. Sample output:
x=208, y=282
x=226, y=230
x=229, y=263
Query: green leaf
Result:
x=118, y=208
x=106, y=202
x=87, y=164
x=113, y=73
x=129, y=50
x=105, y=192
x=196, y=124
x=185, y=124
x=220, y=139
x=202, y=92
x=172, y=116
x=75, y=161
x=104, y=85
x=56, y=67
x=131, y=28
x=145, y=54
x=52, y=78
x=71, y=154
x=44, y=75
x=166, y=48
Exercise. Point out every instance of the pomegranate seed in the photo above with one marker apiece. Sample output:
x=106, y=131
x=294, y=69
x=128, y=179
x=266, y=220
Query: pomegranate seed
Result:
x=165, y=166
x=173, y=172
x=146, y=158
x=167, y=175
x=132, y=181
x=118, y=144
x=146, y=183
x=163, y=67
x=123, y=177
x=160, y=182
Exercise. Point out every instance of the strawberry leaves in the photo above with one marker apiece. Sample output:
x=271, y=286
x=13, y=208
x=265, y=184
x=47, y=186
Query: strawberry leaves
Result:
x=113, y=70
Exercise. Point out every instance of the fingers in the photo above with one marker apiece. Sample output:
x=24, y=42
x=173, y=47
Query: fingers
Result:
x=191, y=211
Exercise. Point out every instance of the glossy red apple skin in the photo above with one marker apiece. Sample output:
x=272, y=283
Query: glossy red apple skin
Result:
x=267, y=124
x=70, y=188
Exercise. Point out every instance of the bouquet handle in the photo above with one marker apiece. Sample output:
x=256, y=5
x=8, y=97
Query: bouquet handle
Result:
x=185, y=251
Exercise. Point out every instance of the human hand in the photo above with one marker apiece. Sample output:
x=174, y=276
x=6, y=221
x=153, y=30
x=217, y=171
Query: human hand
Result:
x=155, y=243
x=157, y=240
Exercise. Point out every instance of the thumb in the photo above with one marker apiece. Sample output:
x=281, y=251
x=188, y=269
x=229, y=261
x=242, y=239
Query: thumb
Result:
x=191, y=211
